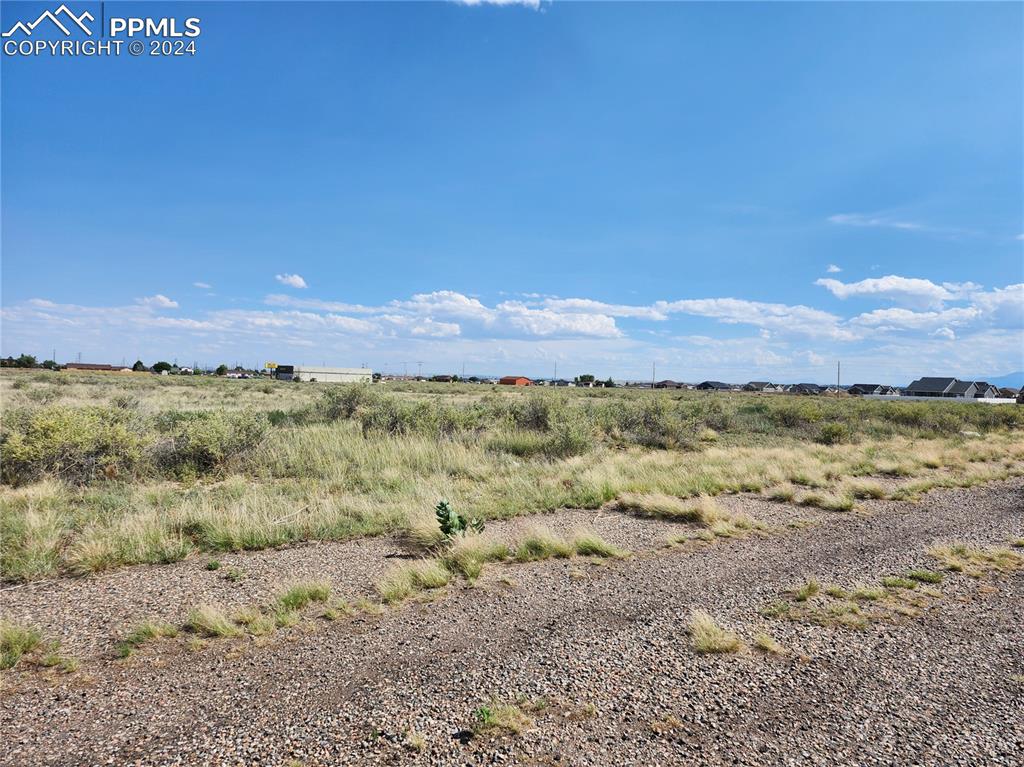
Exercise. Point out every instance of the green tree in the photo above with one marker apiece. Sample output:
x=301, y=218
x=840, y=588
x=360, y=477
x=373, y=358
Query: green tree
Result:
x=50, y=365
x=25, y=361
x=609, y=384
x=585, y=378
x=139, y=366
x=222, y=370
x=161, y=366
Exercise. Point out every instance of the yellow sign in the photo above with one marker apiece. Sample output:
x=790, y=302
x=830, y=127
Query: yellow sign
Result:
x=271, y=366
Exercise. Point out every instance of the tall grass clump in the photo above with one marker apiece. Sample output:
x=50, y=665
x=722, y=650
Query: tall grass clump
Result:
x=706, y=636
x=196, y=443
x=16, y=641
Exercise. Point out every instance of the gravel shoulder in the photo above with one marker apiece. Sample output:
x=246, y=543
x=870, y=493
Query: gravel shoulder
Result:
x=598, y=654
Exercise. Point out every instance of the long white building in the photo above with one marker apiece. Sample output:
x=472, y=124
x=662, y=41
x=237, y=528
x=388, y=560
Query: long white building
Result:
x=307, y=374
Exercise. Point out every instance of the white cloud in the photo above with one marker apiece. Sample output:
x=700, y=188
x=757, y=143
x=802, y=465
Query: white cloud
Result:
x=946, y=333
x=833, y=269
x=203, y=285
x=545, y=322
x=868, y=220
x=781, y=318
x=589, y=306
x=907, y=290
x=527, y=3
x=904, y=319
x=292, y=280
x=158, y=301
x=280, y=299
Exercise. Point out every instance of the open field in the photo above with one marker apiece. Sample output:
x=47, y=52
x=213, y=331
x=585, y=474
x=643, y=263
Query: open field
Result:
x=106, y=470
x=663, y=577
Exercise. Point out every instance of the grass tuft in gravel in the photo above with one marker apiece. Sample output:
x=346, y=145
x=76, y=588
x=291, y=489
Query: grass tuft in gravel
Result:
x=210, y=621
x=469, y=553
x=501, y=717
x=15, y=642
x=302, y=594
x=590, y=544
x=867, y=593
x=414, y=741
x=767, y=644
x=541, y=543
x=807, y=590
x=703, y=510
x=145, y=632
x=408, y=580
x=976, y=561
x=706, y=636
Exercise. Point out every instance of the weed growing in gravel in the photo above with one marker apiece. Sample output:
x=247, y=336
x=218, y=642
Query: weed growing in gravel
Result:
x=414, y=741
x=807, y=590
x=925, y=576
x=213, y=564
x=665, y=724
x=867, y=593
x=501, y=717
x=468, y=555
x=15, y=642
x=588, y=544
x=706, y=636
x=767, y=644
x=65, y=663
x=1017, y=543
x=541, y=543
x=301, y=594
x=256, y=622
x=143, y=633
x=407, y=580
x=975, y=561
x=210, y=621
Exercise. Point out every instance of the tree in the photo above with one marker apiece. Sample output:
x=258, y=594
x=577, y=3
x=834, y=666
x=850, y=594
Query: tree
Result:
x=585, y=378
x=50, y=365
x=161, y=366
x=609, y=384
x=25, y=361
x=221, y=370
x=139, y=366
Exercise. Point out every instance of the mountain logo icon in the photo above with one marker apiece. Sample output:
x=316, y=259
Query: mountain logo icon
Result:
x=63, y=18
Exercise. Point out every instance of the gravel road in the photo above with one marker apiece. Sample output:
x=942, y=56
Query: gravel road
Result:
x=598, y=655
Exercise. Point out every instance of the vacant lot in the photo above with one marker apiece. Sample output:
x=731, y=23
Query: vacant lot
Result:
x=231, y=572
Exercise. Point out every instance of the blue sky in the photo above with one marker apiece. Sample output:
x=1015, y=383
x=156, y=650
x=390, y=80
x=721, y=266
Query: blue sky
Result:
x=736, y=191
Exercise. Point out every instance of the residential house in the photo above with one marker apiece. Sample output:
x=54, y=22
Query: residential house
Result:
x=804, y=388
x=941, y=387
x=764, y=386
x=862, y=389
x=1008, y=392
x=713, y=386
x=984, y=389
x=515, y=381
x=667, y=384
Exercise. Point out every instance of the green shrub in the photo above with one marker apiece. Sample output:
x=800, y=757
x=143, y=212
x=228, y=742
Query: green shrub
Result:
x=77, y=445
x=198, y=443
x=833, y=432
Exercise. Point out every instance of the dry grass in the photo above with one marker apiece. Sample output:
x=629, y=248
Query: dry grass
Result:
x=502, y=717
x=541, y=543
x=327, y=480
x=211, y=621
x=145, y=632
x=767, y=644
x=408, y=580
x=977, y=561
x=706, y=636
x=590, y=544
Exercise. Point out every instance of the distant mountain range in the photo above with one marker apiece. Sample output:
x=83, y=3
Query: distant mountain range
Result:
x=1014, y=380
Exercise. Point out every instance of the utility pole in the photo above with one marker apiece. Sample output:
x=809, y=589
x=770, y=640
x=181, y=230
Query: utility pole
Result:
x=406, y=364
x=419, y=370
x=839, y=367
x=556, y=370
x=654, y=368
x=463, y=370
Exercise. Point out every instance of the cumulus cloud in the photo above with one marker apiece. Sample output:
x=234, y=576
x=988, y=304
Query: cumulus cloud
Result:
x=158, y=301
x=782, y=318
x=946, y=333
x=589, y=306
x=291, y=280
x=907, y=290
x=833, y=269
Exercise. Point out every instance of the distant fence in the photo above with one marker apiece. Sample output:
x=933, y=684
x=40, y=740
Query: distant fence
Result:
x=984, y=400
